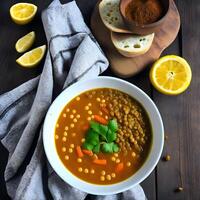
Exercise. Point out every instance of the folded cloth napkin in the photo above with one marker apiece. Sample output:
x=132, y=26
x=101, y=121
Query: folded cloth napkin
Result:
x=73, y=54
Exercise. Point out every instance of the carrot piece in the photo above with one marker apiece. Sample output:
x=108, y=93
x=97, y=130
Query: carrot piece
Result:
x=87, y=152
x=119, y=167
x=79, y=151
x=105, y=110
x=100, y=119
x=100, y=162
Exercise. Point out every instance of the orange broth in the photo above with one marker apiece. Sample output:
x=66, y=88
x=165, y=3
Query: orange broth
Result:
x=134, y=136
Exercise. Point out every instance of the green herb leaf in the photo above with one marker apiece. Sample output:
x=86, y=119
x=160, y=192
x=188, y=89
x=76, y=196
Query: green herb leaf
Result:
x=107, y=147
x=95, y=126
x=115, y=148
x=96, y=148
x=88, y=146
x=111, y=136
x=103, y=131
x=112, y=125
x=92, y=137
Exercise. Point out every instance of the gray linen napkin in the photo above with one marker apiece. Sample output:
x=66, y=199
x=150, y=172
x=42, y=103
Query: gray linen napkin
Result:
x=73, y=54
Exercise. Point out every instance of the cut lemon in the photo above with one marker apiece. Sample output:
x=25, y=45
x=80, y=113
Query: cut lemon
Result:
x=23, y=13
x=32, y=58
x=25, y=42
x=171, y=75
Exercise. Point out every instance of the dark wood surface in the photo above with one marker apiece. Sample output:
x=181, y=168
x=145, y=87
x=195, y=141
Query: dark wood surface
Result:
x=181, y=114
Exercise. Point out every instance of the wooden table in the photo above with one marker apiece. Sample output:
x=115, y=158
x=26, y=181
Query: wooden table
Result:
x=181, y=114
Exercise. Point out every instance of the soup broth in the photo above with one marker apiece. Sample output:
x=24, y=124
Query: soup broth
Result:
x=103, y=136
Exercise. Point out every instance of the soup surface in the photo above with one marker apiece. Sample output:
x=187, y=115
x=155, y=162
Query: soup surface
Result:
x=103, y=136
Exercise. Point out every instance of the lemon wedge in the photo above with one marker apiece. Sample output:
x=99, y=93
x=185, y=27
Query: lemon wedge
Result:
x=32, y=58
x=171, y=75
x=23, y=13
x=25, y=42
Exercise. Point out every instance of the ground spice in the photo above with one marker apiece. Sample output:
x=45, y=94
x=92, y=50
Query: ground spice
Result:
x=144, y=11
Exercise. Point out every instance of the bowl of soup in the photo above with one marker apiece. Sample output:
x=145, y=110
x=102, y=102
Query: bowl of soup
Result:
x=103, y=135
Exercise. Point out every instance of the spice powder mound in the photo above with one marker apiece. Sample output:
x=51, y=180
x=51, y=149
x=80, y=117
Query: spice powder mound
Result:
x=144, y=12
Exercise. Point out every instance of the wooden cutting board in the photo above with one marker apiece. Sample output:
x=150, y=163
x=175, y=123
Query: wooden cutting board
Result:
x=126, y=67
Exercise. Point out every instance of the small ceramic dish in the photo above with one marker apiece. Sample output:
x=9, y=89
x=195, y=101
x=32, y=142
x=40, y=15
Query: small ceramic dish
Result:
x=149, y=28
x=102, y=82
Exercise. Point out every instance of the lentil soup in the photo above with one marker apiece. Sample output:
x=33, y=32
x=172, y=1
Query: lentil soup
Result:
x=103, y=136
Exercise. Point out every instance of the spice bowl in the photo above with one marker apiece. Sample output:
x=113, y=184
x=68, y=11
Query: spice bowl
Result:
x=149, y=28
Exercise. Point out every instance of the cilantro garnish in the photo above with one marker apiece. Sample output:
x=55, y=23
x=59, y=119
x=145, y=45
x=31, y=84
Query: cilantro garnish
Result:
x=102, y=137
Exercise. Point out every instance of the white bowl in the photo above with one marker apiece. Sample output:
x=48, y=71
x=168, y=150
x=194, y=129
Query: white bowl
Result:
x=103, y=82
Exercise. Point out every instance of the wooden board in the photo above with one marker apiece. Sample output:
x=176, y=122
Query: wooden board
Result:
x=126, y=67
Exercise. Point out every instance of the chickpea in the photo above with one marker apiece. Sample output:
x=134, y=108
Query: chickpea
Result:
x=64, y=115
x=89, y=118
x=83, y=140
x=72, y=125
x=74, y=111
x=86, y=107
x=71, y=116
x=128, y=164
x=75, y=120
x=64, y=149
x=90, y=112
x=66, y=157
x=89, y=104
x=64, y=139
x=113, y=175
x=108, y=177
x=70, y=150
x=78, y=116
x=72, y=145
x=86, y=170
x=56, y=137
x=102, y=178
x=92, y=171
x=79, y=160
x=57, y=125
x=66, y=128
x=78, y=98
x=67, y=110
x=98, y=99
x=113, y=158
x=117, y=160
x=103, y=172
x=80, y=169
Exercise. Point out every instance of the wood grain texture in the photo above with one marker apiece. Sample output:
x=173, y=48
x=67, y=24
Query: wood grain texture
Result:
x=181, y=116
x=127, y=67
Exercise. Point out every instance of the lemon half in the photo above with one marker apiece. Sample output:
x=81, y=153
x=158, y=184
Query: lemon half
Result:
x=23, y=13
x=32, y=58
x=25, y=42
x=171, y=75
